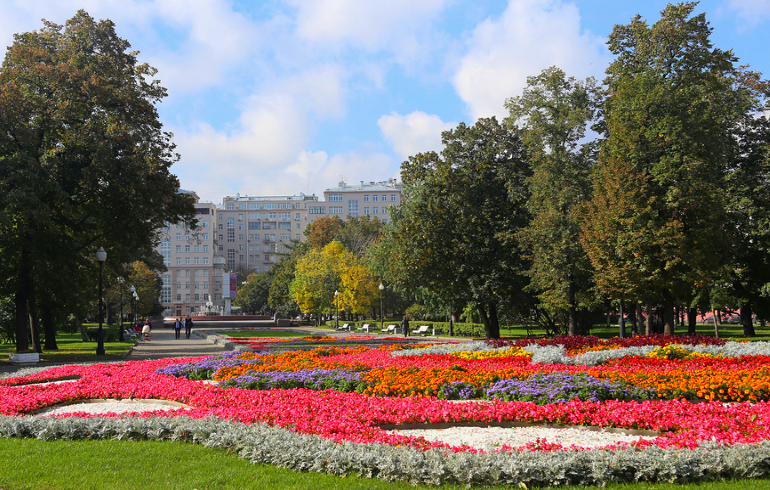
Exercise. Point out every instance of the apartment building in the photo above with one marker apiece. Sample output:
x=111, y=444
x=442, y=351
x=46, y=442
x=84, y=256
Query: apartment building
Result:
x=373, y=199
x=250, y=234
x=195, y=275
x=251, y=231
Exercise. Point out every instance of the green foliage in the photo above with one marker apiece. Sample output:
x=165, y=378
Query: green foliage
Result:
x=553, y=114
x=253, y=296
x=83, y=163
x=455, y=233
x=671, y=116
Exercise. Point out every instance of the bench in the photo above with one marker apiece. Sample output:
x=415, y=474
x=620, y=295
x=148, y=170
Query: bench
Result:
x=344, y=327
x=364, y=328
x=390, y=329
x=423, y=330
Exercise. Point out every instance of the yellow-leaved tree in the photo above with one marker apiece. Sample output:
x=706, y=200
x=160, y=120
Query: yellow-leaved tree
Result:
x=321, y=272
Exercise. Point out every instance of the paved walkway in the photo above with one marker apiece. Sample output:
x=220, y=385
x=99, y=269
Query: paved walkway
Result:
x=163, y=344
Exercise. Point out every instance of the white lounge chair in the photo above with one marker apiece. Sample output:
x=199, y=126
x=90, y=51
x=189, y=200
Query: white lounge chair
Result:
x=423, y=330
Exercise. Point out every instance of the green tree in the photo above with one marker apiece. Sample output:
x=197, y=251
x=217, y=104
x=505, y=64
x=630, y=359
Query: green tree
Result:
x=84, y=162
x=253, y=296
x=553, y=114
x=674, y=103
x=358, y=233
x=455, y=233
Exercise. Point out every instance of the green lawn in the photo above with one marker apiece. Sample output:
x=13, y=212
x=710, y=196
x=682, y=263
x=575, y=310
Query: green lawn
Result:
x=72, y=348
x=149, y=465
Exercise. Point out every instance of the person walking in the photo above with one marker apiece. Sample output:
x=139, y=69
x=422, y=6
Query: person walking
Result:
x=178, y=327
x=405, y=325
x=188, y=324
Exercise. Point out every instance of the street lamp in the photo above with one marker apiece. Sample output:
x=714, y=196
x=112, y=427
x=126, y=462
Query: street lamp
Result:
x=120, y=287
x=382, y=318
x=133, y=304
x=101, y=256
x=337, y=315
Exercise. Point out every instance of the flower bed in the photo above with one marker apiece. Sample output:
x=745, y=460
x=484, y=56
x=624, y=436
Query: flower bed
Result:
x=345, y=395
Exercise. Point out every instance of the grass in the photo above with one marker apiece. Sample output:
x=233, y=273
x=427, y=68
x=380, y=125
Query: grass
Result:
x=72, y=348
x=148, y=465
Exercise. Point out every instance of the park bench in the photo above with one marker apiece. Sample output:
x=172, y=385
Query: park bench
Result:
x=390, y=329
x=423, y=330
x=344, y=327
x=364, y=328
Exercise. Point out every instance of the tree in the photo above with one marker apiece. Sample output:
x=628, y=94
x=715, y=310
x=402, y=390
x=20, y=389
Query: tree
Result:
x=253, y=296
x=323, y=231
x=456, y=231
x=320, y=273
x=84, y=162
x=658, y=211
x=358, y=233
x=553, y=113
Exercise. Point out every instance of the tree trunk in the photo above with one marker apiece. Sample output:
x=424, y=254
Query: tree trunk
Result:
x=648, y=323
x=748, y=322
x=668, y=313
x=34, y=323
x=491, y=325
x=21, y=298
x=692, y=318
x=49, y=331
x=632, y=317
x=572, y=320
x=83, y=331
x=716, y=324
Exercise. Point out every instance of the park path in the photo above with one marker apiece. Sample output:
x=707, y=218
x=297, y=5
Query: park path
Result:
x=163, y=344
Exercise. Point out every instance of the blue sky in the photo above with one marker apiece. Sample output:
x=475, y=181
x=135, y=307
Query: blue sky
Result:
x=287, y=96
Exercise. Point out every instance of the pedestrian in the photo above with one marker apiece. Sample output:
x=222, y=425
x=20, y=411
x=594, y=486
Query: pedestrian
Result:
x=146, y=329
x=178, y=327
x=188, y=324
x=405, y=325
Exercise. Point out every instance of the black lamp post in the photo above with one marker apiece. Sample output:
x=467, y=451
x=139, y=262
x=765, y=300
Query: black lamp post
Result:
x=101, y=256
x=120, y=288
x=133, y=304
x=382, y=317
x=337, y=307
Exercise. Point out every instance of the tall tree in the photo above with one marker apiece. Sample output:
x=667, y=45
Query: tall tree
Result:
x=553, y=113
x=659, y=207
x=84, y=162
x=455, y=234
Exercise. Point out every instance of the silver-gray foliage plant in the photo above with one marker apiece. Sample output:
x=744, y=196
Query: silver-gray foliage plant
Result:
x=281, y=447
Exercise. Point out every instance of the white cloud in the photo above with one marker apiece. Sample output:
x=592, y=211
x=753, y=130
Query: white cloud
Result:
x=750, y=12
x=414, y=133
x=374, y=25
x=529, y=36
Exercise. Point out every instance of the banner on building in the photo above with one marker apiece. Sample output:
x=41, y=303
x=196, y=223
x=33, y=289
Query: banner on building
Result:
x=233, y=286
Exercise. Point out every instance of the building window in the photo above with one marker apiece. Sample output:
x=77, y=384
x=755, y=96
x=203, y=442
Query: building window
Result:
x=230, y=205
x=178, y=260
x=178, y=236
x=353, y=207
x=335, y=197
x=186, y=248
x=179, y=249
x=366, y=197
x=384, y=198
x=393, y=197
x=366, y=210
x=187, y=260
x=376, y=210
x=374, y=197
x=335, y=209
x=205, y=260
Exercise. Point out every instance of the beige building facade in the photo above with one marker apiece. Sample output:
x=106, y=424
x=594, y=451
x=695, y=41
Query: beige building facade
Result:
x=250, y=234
